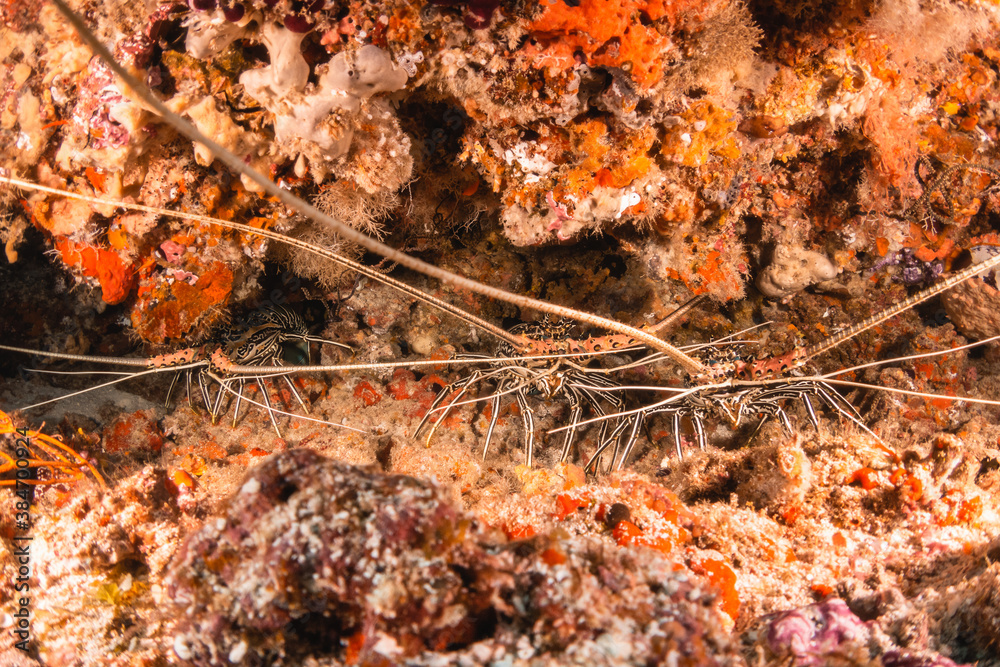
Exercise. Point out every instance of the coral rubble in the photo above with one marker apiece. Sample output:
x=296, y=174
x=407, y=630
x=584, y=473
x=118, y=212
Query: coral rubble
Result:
x=316, y=558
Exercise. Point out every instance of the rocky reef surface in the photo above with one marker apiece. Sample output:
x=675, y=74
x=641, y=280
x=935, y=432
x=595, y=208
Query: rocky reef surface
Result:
x=804, y=165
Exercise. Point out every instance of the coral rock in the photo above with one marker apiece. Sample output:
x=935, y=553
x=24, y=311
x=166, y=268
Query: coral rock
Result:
x=811, y=635
x=974, y=306
x=317, y=558
x=792, y=270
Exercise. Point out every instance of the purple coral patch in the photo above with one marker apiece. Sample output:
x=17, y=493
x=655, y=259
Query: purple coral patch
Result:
x=98, y=95
x=478, y=13
x=810, y=634
x=298, y=23
x=234, y=13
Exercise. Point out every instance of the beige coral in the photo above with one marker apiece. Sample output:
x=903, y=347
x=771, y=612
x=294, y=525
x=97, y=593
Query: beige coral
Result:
x=792, y=270
x=974, y=307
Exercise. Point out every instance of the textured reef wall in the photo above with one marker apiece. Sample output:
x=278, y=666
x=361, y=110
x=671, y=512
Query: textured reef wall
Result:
x=803, y=163
x=716, y=139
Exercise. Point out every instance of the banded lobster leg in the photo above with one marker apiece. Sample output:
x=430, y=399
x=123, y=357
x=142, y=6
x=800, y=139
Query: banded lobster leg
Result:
x=549, y=378
x=262, y=342
x=627, y=431
x=594, y=392
x=755, y=387
x=462, y=387
x=768, y=401
x=736, y=404
x=546, y=378
x=507, y=383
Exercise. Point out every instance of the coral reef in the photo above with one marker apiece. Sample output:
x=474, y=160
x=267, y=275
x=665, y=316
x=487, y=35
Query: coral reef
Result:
x=803, y=164
x=828, y=633
x=701, y=120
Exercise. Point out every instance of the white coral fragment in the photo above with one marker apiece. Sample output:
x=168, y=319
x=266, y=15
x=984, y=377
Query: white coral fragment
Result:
x=534, y=165
x=288, y=71
x=210, y=33
x=372, y=71
x=792, y=270
x=319, y=121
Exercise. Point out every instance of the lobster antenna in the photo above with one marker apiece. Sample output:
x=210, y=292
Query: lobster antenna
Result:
x=891, y=390
x=151, y=371
x=502, y=334
x=178, y=363
x=118, y=361
x=876, y=319
x=236, y=164
x=668, y=322
x=923, y=355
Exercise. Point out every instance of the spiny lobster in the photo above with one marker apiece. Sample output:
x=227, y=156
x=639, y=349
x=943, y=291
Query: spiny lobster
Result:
x=261, y=340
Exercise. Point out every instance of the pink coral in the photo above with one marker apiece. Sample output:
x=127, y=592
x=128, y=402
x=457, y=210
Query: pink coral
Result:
x=811, y=634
